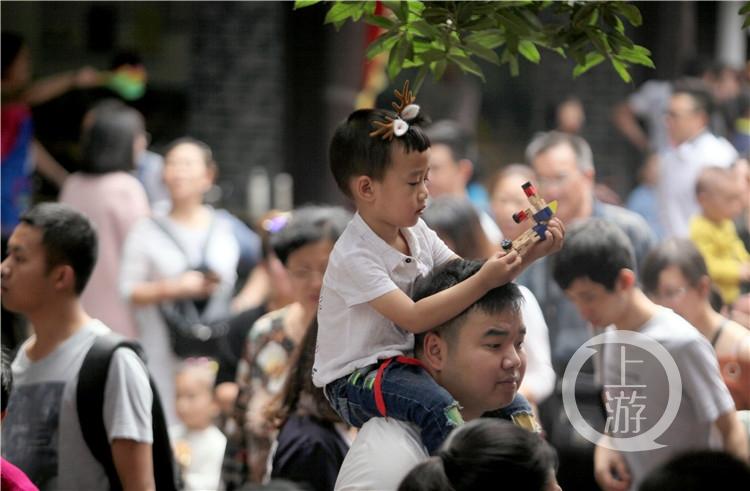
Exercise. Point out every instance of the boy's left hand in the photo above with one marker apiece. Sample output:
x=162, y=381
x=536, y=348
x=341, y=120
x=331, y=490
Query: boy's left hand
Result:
x=554, y=237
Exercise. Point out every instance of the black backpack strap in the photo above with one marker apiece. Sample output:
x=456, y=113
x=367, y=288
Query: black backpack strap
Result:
x=92, y=380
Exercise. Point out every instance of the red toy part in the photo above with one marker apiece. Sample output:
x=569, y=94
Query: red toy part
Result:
x=520, y=216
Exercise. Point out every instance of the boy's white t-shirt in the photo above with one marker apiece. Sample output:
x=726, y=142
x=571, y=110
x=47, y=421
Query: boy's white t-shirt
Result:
x=704, y=395
x=361, y=268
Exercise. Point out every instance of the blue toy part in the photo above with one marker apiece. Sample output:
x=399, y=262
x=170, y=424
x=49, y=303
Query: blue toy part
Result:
x=540, y=229
x=543, y=215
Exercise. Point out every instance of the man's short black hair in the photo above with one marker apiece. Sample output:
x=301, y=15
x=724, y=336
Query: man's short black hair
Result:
x=68, y=237
x=681, y=253
x=497, y=300
x=309, y=224
x=696, y=471
x=354, y=152
x=698, y=92
x=596, y=250
x=6, y=379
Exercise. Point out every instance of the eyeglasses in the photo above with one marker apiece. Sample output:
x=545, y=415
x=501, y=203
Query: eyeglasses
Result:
x=671, y=294
x=558, y=180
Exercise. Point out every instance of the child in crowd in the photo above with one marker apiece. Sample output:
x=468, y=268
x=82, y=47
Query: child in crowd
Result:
x=714, y=233
x=198, y=444
x=366, y=319
x=596, y=271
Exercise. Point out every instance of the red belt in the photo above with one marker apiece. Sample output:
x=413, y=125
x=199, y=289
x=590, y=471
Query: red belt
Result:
x=379, y=401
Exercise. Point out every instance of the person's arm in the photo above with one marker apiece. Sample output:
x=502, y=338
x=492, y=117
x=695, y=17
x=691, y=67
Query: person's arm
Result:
x=610, y=469
x=134, y=464
x=46, y=164
x=56, y=85
x=625, y=120
x=190, y=284
x=432, y=311
x=733, y=435
x=255, y=291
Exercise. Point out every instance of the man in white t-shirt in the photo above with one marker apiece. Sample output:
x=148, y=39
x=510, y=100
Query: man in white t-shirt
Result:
x=478, y=357
x=596, y=271
x=50, y=257
x=695, y=147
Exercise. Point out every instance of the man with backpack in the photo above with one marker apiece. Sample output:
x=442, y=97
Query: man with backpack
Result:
x=51, y=255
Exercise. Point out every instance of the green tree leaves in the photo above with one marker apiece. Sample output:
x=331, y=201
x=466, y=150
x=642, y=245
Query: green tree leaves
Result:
x=429, y=35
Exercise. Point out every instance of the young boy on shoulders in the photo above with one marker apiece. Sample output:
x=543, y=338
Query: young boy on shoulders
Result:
x=596, y=271
x=367, y=320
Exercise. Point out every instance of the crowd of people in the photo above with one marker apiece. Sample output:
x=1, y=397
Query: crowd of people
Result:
x=392, y=345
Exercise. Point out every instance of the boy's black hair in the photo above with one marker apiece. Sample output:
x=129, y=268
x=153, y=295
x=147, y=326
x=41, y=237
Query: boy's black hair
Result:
x=107, y=145
x=12, y=43
x=697, y=471
x=353, y=152
x=596, y=250
x=68, y=238
x=500, y=299
x=308, y=225
x=6, y=379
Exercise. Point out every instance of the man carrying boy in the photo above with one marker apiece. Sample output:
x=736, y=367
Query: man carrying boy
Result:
x=596, y=271
x=366, y=319
x=478, y=357
x=51, y=255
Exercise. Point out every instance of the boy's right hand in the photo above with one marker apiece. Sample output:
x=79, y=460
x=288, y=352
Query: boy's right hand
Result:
x=500, y=269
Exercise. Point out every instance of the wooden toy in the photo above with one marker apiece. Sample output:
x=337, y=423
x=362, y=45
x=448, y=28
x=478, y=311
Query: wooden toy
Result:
x=540, y=212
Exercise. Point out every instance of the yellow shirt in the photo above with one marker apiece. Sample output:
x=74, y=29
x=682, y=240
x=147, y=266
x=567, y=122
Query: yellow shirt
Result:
x=723, y=252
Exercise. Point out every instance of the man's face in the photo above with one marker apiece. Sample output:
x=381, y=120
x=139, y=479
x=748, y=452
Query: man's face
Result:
x=485, y=364
x=26, y=280
x=684, y=122
x=595, y=303
x=560, y=179
x=445, y=177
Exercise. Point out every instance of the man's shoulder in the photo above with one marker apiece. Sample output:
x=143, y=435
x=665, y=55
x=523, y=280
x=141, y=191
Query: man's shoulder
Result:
x=628, y=220
x=384, y=451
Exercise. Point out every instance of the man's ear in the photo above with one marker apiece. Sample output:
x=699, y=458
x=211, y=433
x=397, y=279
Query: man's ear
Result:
x=434, y=351
x=466, y=169
x=704, y=286
x=590, y=175
x=64, y=277
x=626, y=279
x=363, y=188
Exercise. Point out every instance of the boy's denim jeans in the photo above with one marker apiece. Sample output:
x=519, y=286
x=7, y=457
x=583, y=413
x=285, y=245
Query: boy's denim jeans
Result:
x=410, y=394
